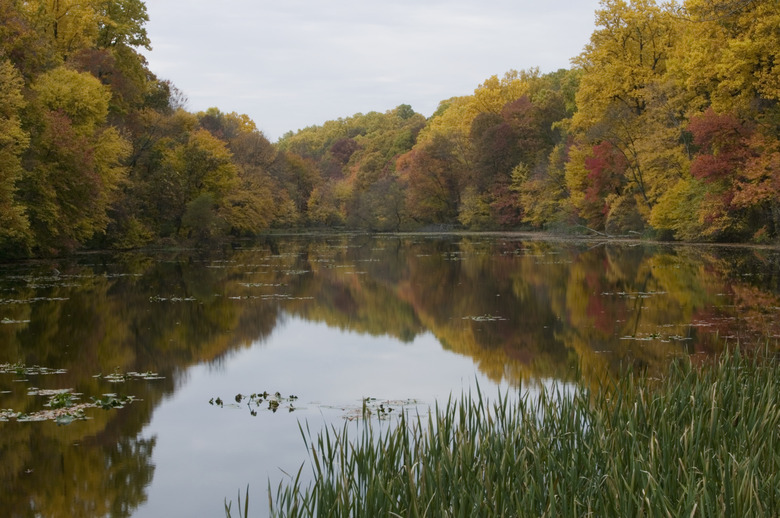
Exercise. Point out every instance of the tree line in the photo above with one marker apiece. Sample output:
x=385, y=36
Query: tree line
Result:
x=665, y=126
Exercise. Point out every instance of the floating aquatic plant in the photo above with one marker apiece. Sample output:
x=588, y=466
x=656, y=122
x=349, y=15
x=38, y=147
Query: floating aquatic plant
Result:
x=272, y=402
x=20, y=369
x=7, y=321
x=485, y=318
x=62, y=399
x=63, y=405
x=121, y=377
x=382, y=410
x=158, y=298
x=109, y=401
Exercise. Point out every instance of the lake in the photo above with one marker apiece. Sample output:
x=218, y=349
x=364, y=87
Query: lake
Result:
x=159, y=384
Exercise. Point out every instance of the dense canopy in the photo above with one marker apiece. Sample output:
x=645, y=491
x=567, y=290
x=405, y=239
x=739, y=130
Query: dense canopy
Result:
x=667, y=125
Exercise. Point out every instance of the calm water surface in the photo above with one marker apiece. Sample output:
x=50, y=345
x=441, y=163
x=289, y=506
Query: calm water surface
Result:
x=324, y=322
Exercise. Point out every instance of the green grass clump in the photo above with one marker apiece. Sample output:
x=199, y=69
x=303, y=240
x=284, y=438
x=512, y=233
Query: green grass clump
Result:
x=701, y=442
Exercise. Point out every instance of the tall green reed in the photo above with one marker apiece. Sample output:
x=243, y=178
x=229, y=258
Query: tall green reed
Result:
x=701, y=442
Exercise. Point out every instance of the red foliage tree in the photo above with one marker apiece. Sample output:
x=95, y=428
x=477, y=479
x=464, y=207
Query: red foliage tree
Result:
x=721, y=140
x=606, y=176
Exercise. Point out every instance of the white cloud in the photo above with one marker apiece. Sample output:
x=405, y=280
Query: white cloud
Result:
x=296, y=63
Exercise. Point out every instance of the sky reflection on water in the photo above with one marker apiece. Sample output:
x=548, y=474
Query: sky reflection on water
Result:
x=329, y=370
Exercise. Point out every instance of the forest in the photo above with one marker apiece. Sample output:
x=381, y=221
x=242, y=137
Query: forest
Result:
x=666, y=126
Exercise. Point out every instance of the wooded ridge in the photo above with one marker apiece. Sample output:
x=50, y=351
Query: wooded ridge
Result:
x=667, y=126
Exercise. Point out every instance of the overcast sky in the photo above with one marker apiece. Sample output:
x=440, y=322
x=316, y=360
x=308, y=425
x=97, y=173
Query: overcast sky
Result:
x=289, y=64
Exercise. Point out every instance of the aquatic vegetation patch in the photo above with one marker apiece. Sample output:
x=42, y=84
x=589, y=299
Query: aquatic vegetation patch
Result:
x=257, y=401
x=33, y=300
x=119, y=377
x=272, y=296
x=649, y=337
x=20, y=369
x=368, y=408
x=63, y=405
x=283, y=296
x=485, y=318
x=47, y=285
x=382, y=410
x=7, y=321
x=634, y=295
x=109, y=401
x=158, y=298
x=58, y=398
x=701, y=441
x=295, y=272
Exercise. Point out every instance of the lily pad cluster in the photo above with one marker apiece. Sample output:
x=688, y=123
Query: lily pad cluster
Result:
x=7, y=320
x=484, y=318
x=158, y=298
x=372, y=407
x=254, y=402
x=64, y=405
x=120, y=377
x=382, y=410
x=21, y=369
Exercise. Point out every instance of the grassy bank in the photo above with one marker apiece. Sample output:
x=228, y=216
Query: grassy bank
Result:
x=701, y=442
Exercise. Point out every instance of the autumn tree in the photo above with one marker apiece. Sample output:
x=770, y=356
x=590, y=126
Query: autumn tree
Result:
x=728, y=54
x=144, y=210
x=355, y=159
x=619, y=96
x=433, y=179
x=248, y=206
x=14, y=225
x=471, y=126
x=70, y=25
x=184, y=182
x=538, y=180
x=740, y=168
x=28, y=50
x=121, y=23
x=75, y=161
x=200, y=174
x=542, y=192
x=296, y=177
x=725, y=59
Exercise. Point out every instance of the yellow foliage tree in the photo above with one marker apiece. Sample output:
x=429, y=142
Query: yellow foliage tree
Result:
x=76, y=162
x=70, y=24
x=14, y=226
x=626, y=100
x=729, y=53
x=454, y=117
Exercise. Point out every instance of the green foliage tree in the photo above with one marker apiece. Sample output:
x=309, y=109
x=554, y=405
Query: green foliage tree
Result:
x=121, y=22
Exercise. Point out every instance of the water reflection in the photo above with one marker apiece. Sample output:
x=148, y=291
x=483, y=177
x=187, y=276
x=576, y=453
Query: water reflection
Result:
x=518, y=309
